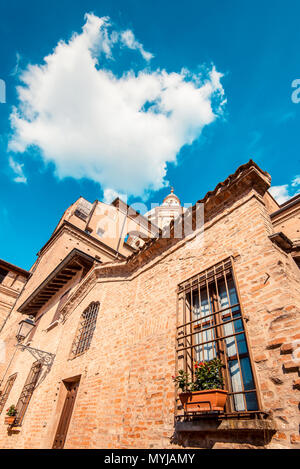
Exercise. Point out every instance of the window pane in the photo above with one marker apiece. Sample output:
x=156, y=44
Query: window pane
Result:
x=241, y=340
x=247, y=374
x=236, y=383
x=207, y=351
x=251, y=401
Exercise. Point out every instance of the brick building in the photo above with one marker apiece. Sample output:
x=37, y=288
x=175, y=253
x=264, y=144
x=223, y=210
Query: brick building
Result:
x=118, y=308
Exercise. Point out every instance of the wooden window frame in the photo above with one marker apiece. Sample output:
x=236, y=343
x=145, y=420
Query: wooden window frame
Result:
x=188, y=327
x=6, y=391
x=86, y=328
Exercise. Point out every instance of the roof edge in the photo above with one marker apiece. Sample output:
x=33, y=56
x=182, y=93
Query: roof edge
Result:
x=10, y=266
x=231, y=179
x=73, y=254
x=286, y=205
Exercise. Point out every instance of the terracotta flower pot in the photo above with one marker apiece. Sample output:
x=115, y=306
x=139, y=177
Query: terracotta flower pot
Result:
x=9, y=420
x=204, y=401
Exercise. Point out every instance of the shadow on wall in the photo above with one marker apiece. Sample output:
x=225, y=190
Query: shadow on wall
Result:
x=211, y=434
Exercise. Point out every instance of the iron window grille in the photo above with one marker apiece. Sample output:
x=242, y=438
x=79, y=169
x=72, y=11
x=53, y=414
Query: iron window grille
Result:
x=86, y=329
x=211, y=325
x=6, y=391
x=83, y=209
x=27, y=392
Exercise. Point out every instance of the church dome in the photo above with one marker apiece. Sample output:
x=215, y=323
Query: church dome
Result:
x=171, y=200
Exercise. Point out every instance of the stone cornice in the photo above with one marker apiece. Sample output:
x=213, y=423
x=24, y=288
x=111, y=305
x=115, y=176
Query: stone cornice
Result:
x=280, y=217
x=289, y=204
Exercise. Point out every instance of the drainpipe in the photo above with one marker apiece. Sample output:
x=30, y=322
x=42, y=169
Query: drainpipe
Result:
x=120, y=237
x=91, y=213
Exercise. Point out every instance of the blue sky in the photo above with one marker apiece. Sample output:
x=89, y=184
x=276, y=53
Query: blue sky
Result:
x=254, y=44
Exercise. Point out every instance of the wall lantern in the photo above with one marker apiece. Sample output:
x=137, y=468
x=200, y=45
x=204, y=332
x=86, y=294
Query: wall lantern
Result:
x=25, y=327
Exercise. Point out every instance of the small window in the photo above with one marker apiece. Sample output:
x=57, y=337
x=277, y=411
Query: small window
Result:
x=83, y=209
x=4, y=395
x=3, y=274
x=86, y=329
x=100, y=232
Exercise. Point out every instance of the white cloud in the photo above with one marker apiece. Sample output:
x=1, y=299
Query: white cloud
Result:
x=110, y=195
x=128, y=39
x=296, y=181
x=280, y=193
x=16, y=68
x=18, y=170
x=120, y=131
x=283, y=193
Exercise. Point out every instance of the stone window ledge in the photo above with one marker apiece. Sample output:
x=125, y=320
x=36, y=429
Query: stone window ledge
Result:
x=231, y=425
x=53, y=324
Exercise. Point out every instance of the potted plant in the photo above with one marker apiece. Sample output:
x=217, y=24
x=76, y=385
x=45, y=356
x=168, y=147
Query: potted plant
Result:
x=205, y=393
x=11, y=413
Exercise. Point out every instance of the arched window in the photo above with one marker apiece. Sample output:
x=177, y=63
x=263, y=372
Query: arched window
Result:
x=86, y=329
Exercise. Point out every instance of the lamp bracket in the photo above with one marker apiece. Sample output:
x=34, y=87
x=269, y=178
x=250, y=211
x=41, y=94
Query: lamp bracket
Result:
x=45, y=358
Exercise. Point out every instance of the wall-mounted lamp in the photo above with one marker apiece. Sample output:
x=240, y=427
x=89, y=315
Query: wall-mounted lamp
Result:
x=25, y=327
